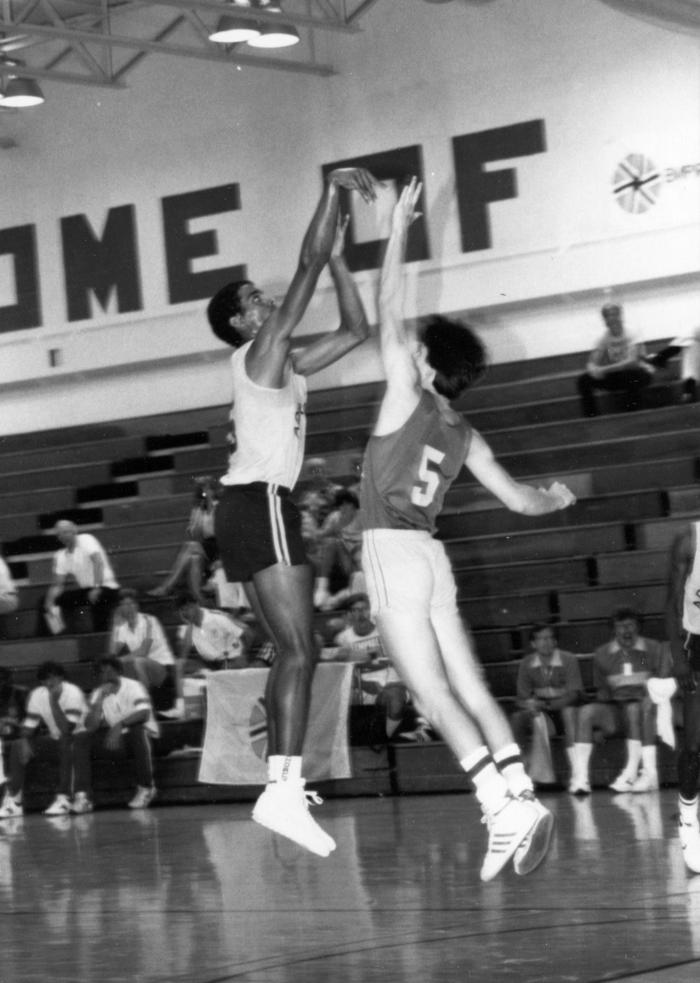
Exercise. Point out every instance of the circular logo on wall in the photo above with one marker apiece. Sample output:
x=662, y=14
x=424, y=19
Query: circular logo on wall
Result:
x=257, y=728
x=636, y=183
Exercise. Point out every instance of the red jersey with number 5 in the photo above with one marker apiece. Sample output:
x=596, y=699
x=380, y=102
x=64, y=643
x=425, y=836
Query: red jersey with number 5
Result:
x=406, y=474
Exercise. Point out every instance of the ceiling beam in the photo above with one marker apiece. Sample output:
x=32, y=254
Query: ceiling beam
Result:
x=210, y=53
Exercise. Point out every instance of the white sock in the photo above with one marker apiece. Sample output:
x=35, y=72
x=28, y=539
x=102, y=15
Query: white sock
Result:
x=649, y=760
x=283, y=768
x=509, y=762
x=490, y=787
x=583, y=756
x=320, y=588
x=634, y=759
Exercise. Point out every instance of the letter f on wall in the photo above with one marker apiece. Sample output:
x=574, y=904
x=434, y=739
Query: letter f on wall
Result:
x=477, y=187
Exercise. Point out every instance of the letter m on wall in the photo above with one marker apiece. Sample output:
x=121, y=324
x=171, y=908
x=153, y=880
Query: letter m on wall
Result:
x=99, y=266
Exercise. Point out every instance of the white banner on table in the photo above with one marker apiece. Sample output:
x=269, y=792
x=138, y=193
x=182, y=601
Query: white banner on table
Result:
x=235, y=740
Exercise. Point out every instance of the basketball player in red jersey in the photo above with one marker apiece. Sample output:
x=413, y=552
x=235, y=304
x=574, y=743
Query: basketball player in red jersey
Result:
x=257, y=526
x=416, y=450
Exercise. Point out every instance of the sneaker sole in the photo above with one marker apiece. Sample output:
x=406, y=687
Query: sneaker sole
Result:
x=321, y=849
x=535, y=847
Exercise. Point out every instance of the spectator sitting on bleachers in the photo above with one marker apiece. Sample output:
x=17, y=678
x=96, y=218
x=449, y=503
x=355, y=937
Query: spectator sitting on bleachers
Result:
x=340, y=547
x=119, y=721
x=141, y=644
x=621, y=669
x=379, y=683
x=319, y=493
x=549, y=690
x=199, y=553
x=12, y=708
x=8, y=590
x=210, y=639
x=83, y=559
x=315, y=505
x=59, y=707
x=618, y=362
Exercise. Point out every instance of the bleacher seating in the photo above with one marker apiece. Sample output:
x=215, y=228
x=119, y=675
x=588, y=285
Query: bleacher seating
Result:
x=637, y=476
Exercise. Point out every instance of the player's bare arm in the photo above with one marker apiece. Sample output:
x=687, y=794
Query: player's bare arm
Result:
x=395, y=342
x=266, y=360
x=515, y=495
x=353, y=328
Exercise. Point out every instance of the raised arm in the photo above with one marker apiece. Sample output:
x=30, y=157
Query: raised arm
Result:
x=269, y=350
x=353, y=328
x=515, y=495
x=395, y=342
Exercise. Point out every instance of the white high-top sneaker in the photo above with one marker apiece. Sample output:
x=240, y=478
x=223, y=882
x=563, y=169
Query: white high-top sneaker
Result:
x=284, y=808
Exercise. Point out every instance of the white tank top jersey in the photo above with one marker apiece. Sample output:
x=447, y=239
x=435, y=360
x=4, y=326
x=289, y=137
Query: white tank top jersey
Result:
x=268, y=427
x=691, y=594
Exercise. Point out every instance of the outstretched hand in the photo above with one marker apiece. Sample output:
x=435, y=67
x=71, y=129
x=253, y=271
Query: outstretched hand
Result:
x=561, y=495
x=355, y=179
x=405, y=213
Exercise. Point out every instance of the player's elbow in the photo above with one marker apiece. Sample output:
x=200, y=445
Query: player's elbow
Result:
x=359, y=328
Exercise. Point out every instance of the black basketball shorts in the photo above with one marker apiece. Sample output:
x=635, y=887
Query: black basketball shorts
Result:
x=257, y=526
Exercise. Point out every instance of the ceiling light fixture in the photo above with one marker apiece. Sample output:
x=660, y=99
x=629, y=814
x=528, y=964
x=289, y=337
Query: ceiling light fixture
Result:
x=258, y=34
x=235, y=30
x=19, y=92
x=275, y=36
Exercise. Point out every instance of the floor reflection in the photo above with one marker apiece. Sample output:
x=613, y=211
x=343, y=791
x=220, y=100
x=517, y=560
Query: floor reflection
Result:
x=202, y=894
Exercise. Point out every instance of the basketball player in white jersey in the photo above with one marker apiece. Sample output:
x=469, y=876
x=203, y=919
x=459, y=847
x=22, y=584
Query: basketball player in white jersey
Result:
x=683, y=631
x=257, y=526
x=417, y=448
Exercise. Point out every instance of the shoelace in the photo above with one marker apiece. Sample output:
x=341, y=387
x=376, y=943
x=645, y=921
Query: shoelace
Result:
x=313, y=798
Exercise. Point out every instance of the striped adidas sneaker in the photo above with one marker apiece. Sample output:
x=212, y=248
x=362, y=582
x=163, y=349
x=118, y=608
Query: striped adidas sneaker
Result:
x=534, y=847
x=507, y=827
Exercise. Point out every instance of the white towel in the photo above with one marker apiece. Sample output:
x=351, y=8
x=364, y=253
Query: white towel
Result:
x=661, y=691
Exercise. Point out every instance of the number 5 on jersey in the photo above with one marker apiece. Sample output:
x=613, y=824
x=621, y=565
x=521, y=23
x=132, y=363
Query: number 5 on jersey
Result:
x=428, y=483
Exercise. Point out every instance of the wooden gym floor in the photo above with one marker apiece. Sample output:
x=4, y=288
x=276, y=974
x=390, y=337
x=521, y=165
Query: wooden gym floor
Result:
x=199, y=894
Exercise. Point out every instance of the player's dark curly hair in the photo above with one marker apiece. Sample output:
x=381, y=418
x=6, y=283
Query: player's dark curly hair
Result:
x=224, y=305
x=456, y=353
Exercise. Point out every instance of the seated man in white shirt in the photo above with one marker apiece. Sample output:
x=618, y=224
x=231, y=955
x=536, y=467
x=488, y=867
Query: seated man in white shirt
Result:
x=119, y=722
x=216, y=640
x=81, y=559
x=58, y=707
x=380, y=685
x=617, y=363
x=142, y=645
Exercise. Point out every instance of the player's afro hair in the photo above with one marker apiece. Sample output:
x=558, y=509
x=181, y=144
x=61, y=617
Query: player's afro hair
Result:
x=456, y=353
x=224, y=305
